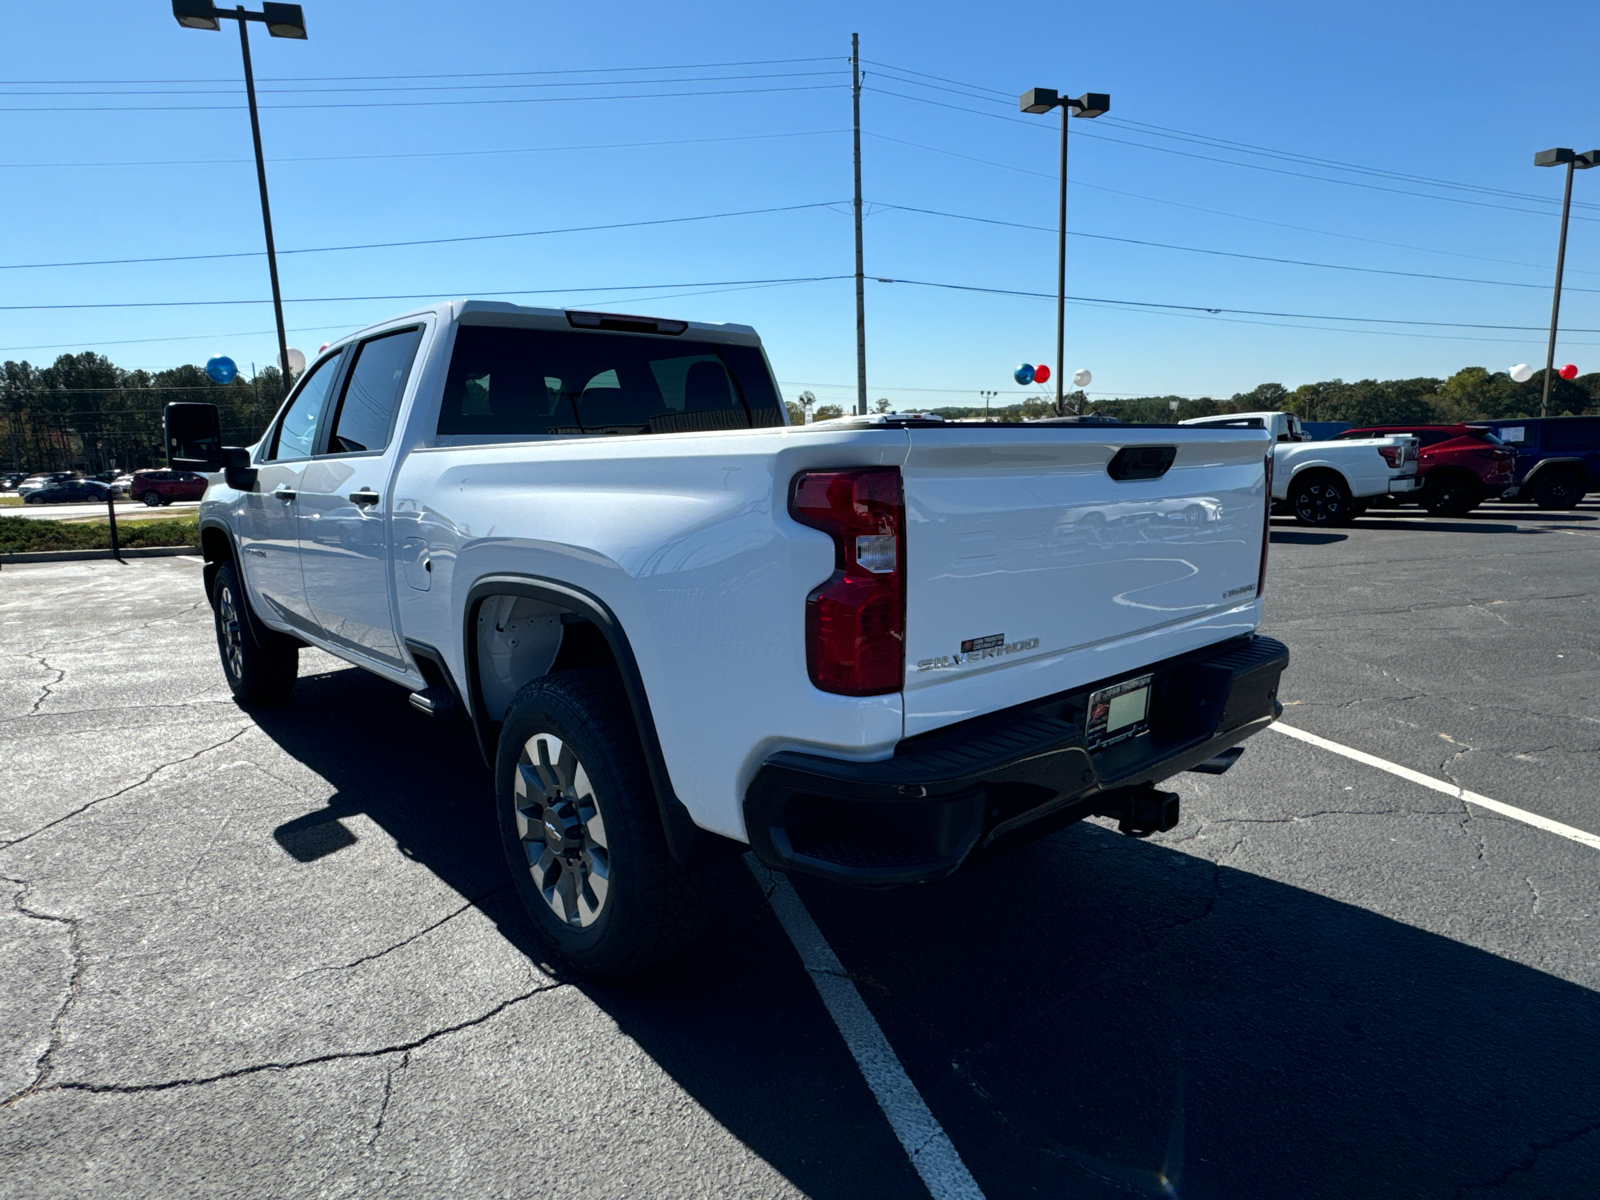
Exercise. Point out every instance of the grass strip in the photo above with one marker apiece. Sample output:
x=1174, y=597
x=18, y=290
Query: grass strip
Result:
x=19, y=535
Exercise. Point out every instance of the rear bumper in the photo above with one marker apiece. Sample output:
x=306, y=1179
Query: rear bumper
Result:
x=1008, y=776
x=1405, y=485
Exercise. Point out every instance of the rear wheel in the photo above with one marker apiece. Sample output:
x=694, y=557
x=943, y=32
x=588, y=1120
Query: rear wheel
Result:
x=1558, y=489
x=260, y=670
x=1321, y=498
x=582, y=832
x=153, y=499
x=1451, y=495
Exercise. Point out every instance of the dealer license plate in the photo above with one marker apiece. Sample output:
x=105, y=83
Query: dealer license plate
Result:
x=1119, y=712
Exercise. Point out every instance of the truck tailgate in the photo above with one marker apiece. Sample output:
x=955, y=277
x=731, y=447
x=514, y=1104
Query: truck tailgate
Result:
x=1031, y=570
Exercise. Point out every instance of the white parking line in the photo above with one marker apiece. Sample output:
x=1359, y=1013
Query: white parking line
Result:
x=1449, y=789
x=924, y=1139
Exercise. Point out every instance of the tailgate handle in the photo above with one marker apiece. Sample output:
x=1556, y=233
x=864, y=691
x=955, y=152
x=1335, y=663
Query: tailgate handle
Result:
x=1141, y=462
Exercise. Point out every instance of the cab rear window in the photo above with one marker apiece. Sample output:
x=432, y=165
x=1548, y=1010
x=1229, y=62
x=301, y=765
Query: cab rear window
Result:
x=540, y=381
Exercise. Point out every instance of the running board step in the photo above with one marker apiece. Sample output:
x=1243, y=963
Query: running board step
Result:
x=435, y=701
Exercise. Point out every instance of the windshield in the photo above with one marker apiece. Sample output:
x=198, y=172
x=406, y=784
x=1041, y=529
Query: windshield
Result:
x=541, y=381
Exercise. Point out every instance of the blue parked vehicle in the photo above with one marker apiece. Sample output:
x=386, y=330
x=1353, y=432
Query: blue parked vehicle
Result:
x=1558, y=458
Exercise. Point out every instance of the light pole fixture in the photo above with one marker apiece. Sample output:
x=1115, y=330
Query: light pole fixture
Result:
x=1090, y=104
x=1579, y=162
x=282, y=21
x=987, y=396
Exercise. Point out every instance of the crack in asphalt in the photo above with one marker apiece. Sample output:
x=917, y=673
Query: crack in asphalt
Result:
x=166, y=1085
x=83, y=808
x=366, y=958
x=388, y=1093
x=44, y=689
x=1535, y=1150
x=80, y=963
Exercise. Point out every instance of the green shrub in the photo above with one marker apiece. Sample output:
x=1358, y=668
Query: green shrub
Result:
x=23, y=534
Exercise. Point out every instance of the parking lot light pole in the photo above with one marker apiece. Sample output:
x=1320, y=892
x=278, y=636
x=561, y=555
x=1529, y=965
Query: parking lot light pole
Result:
x=281, y=20
x=1580, y=162
x=1090, y=104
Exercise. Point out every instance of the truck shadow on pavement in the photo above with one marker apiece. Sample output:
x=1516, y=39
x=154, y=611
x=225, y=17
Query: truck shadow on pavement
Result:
x=1088, y=1016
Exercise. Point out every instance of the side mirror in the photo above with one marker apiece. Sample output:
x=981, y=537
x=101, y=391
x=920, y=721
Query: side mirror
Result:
x=194, y=437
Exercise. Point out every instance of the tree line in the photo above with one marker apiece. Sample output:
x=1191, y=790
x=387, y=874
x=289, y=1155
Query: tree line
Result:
x=1471, y=394
x=83, y=411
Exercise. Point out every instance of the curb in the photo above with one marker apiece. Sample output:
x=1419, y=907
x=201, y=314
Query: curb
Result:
x=44, y=556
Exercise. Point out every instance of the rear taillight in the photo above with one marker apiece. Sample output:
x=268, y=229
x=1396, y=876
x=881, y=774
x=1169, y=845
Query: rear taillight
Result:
x=856, y=621
x=1393, y=455
x=1266, y=529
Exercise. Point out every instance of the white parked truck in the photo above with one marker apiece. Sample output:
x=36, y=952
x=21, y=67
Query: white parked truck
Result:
x=866, y=649
x=1328, y=483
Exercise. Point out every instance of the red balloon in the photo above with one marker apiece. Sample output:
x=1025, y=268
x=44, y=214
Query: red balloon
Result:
x=1041, y=374
x=1568, y=372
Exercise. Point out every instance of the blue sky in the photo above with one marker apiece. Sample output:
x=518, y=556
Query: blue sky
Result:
x=535, y=117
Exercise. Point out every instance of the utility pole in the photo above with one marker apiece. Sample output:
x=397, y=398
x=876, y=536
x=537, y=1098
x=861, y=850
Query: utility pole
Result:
x=1581, y=162
x=861, y=283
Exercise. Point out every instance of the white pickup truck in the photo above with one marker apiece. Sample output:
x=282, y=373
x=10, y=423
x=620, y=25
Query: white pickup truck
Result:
x=866, y=649
x=1328, y=483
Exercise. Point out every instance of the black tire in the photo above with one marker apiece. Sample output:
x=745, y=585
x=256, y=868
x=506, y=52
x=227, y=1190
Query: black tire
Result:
x=1321, y=498
x=626, y=903
x=261, y=665
x=152, y=499
x=1450, y=494
x=1558, y=489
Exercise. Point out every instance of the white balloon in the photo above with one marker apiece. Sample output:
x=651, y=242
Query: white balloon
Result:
x=1521, y=373
x=297, y=361
x=1082, y=378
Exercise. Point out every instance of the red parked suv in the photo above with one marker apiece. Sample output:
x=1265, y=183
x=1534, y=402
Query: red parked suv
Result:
x=163, y=487
x=1460, y=466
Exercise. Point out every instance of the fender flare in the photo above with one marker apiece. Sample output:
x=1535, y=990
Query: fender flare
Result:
x=1296, y=472
x=1575, y=463
x=688, y=843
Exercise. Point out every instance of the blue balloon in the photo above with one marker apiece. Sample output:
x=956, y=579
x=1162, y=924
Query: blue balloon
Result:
x=222, y=369
x=1023, y=374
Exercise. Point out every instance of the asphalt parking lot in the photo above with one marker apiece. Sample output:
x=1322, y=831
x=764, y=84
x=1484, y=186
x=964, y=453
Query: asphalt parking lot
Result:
x=275, y=953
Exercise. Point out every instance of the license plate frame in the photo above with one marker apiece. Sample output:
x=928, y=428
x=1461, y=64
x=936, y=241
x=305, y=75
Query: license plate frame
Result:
x=1118, y=712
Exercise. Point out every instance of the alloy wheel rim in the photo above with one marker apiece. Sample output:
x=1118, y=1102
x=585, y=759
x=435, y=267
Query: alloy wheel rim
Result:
x=1318, y=503
x=232, y=639
x=563, y=835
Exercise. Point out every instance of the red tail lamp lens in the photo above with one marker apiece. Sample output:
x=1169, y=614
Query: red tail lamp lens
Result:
x=1393, y=455
x=856, y=621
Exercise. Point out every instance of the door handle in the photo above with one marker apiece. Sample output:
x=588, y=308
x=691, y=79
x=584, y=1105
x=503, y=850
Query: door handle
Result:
x=284, y=493
x=364, y=496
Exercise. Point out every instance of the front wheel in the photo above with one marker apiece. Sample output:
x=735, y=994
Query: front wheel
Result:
x=1558, y=489
x=260, y=670
x=152, y=499
x=582, y=832
x=1321, y=498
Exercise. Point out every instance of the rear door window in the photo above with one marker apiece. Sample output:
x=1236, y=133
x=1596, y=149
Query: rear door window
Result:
x=536, y=381
x=372, y=394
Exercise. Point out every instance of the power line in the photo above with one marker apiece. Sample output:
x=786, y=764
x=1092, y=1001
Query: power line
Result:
x=433, y=295
x=131, y=108
x=218, y=162
x=1373, y=187
x=757, y=62
x=1297, y=262
x=1201, y=308
x=437, y=87
x=999, y=97
x=482, y=237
